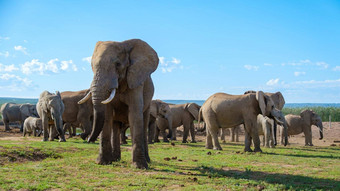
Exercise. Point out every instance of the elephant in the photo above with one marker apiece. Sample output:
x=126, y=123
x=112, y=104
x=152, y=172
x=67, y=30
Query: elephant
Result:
x=279, y=102
x=234, y=133
x=265, y=127
x=32, y=125
x=223, y=110
x=159, y=111
x=12, y=112
x=50, y=109
x=77, y=115
x=182, y=114
x=121, y=91
x=303, y=124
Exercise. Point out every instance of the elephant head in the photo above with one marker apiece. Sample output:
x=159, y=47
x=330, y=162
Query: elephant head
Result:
x=117, y=67
x=28, y=110
x=311, y=118
x=267, y=108
x=193, y=109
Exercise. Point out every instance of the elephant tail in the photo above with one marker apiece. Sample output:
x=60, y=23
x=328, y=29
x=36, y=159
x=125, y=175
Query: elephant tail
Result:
x=200, y=117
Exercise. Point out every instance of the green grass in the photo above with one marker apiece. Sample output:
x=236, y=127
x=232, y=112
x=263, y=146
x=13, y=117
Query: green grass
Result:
x=71, y=165
x=323, y=112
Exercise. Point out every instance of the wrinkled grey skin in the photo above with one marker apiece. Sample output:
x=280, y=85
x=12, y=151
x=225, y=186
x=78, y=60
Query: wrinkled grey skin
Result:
x=182, y=114
x=224, y=110
x=159, y=110
x=121, y=92
x=265, y=127
x=12, y=112
x=77, y=115
x=50, y=109
x=32, y=125
x=303, y=124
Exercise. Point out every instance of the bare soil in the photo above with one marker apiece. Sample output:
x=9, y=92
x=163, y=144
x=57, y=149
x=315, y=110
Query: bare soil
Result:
x=331, y=135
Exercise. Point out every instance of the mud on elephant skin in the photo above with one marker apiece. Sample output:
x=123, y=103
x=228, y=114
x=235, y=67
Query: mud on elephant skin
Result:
x=224, y=110
x=159, y=111
x=303, y=124
x=121, y=92
x=50, y=109
x=77, y=115
x=12, y=112
x=183, y=114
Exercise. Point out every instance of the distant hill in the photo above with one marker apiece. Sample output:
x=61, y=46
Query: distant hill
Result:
x=17, y=100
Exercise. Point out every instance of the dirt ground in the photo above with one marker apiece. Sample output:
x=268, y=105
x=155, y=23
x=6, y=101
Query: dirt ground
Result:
x=331, y=136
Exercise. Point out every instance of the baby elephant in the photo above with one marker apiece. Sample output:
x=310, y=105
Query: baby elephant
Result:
x=32, y=125
x=303, y=123
x=265, y=128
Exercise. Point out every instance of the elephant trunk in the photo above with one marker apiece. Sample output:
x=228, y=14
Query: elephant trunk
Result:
x=319, y=125
x=275, y=133
x=98, y=116
x=285, y=131
x=170, y=127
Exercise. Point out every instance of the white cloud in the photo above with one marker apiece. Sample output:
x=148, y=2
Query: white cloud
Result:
x=52, y=66
x=273, y=82
x=21, y=49
x=336, y=68
x=267, y=64
x=169, y=66
x=5, y=54
x=87, y=59
x=8, y=68
x=250, y=67
x=323, y=65
x=14, y=82
x=299, y=73
x=4, y=38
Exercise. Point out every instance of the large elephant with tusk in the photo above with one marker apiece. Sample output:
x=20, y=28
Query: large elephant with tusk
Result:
x=121, y=93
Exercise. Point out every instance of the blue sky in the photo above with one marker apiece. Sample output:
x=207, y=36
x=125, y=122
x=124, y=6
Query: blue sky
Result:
x=204, y=46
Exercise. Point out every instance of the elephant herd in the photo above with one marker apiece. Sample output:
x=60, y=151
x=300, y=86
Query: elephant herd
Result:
x=120, y=97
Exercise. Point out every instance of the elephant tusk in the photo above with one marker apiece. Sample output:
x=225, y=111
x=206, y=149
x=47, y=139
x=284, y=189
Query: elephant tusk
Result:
x=87, y=97
x=112, y=95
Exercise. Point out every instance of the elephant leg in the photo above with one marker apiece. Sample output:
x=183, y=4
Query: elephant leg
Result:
x=21, y=126
x=156, y=140
x=146, y=118
x=151, y=131
x=192, y=132
x=24, y=133
x=223, y=135
x=74, y=131
x=208, y=141
x=247, y=141
x=58, y=124
x=174, y=132
x=6, y=122
x=115, y=141
x=237, y=130
x=256, y=140
x=263, y=141
x=137, y=122
x=186, y=128
x=164, y=135
x=51, y=134
x=66, y=128
x=122, y=136
x=232, y=134
x=105, y=148
x=213, y=128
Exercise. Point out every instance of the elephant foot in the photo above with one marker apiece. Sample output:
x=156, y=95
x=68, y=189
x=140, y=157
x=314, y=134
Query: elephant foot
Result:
x=62, y=140
x=257, y=150
x=73, y=134
x=83, y=136
x=165, y=140
x=45, y=139
x=150, y=142
x=104, y=160
x=218, y=148
x=51, y=139
x=174, y=139
x=116, y=157
x=223, y=141
x=248, y=150
x=184, y=141
x=141, y=164
x=157, y=141
x=193, y=141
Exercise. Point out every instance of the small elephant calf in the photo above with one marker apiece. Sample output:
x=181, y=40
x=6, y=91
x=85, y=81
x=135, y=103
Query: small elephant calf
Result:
x=32, y=125
x=265, y=128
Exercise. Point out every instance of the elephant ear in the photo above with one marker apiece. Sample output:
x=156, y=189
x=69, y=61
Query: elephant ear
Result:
x=24, y=109
x=143, y=61
x=278, y=99
x=262, y=102
x=154, y=108
x=193, y=108
x=306, y=115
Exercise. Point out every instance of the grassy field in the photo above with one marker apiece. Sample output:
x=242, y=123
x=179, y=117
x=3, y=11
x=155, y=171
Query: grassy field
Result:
x=30, y=164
